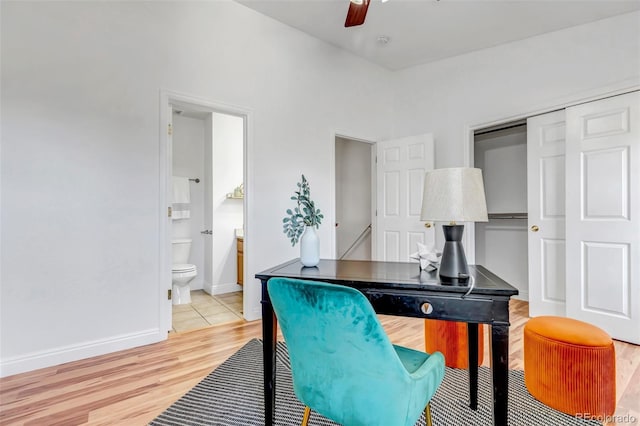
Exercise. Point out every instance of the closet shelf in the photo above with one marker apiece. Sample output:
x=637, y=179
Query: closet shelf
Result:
x=507, y=215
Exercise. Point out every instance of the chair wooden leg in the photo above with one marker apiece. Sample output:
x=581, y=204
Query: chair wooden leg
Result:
x=305, y=417
x=427, y=414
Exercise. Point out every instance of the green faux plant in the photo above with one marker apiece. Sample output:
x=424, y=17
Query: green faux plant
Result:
x=304, y=214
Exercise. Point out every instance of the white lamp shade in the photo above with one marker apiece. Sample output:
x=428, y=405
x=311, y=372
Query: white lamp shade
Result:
x=454, y=195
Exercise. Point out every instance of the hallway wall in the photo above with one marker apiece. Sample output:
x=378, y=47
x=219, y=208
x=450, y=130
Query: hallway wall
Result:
x=227, y=213
x=353, y=197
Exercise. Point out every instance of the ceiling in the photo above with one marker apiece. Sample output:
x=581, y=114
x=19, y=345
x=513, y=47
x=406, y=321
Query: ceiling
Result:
x=421, y=31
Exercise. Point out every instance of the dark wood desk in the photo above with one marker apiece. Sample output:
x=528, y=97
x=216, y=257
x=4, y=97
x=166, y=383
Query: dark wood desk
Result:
x=396, y=288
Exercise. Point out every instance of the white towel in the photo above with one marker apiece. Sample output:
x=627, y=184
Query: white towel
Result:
x=180, y=211
x=181, y=198
x=181, y=193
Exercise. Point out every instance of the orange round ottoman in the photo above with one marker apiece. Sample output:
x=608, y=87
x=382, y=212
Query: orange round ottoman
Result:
x=570, y=366
x=450, y=338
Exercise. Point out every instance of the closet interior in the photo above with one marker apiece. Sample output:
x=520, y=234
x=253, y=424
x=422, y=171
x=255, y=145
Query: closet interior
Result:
x=501, y=243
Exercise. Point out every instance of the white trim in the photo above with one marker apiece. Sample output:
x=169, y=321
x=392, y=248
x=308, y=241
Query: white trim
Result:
x=330, y=218
x=251, y=305
x=222, y=288
x=374, y=201
x=204, y=105
x=164, y=254
x=62, y=354
x=625, y=86
x=523, y=294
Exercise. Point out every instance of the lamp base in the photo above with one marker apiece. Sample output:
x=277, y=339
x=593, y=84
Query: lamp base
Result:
x=453, y=264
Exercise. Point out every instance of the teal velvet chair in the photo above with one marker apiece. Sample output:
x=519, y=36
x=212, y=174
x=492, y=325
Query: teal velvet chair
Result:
x=343, y=364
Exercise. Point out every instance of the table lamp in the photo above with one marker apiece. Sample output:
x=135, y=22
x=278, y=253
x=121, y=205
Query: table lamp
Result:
x=454, y=195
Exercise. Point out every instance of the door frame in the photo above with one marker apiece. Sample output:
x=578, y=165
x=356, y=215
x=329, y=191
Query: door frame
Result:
x=168, y=100
x=332, y=188
x=469, y=239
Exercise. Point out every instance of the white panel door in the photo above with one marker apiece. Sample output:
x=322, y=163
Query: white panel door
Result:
x=401, y=165
x=546, y=213
x=603, y=209
x=166, y=304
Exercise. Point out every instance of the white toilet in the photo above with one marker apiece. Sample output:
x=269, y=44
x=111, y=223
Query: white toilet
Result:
x=181, y=271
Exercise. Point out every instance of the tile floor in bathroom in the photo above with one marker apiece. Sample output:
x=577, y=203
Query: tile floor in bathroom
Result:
x=205, y=310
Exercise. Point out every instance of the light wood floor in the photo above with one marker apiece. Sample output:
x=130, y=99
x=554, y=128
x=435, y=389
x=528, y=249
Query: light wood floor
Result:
x=132, y=387
x=206, y=309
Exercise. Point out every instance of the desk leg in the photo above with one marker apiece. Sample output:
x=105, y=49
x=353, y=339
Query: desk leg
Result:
x=269, y=338
x=472, y=346
x=500, y=369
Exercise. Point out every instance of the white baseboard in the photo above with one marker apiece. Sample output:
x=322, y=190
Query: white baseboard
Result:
x=522, y=295
x=197, y=284
x=62, y=354
x=253, y=315
x=221, y=288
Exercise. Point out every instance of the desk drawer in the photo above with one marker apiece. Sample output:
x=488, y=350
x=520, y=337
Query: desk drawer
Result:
x=452, y=307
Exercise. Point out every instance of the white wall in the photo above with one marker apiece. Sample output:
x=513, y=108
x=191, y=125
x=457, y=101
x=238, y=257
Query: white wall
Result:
x=80, y=100
x=188, y=161
x=514, y=80
x=453, y=96
x=227, y=213
x=353, y=197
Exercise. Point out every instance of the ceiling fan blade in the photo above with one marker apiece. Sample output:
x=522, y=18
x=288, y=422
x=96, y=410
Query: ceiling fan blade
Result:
x=356, y=14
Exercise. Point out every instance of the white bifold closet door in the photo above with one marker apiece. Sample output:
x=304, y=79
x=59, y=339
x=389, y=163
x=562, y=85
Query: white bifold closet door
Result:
x=546, y=213
x=400, y=168
x=603, y=208
x=583, y=205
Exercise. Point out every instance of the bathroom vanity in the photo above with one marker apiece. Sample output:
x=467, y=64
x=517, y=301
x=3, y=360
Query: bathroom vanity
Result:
x=239, y=257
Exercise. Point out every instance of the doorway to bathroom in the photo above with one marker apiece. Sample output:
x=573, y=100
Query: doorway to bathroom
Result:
x=205, y=233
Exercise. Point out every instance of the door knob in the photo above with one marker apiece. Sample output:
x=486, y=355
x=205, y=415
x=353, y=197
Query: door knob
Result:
x=427, y=225
x=535, y=228
x=207, y=232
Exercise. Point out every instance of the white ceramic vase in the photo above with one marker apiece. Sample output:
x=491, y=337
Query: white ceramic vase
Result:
x=309, y=247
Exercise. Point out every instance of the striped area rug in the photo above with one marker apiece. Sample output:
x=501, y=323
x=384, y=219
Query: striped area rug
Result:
x=232, y=395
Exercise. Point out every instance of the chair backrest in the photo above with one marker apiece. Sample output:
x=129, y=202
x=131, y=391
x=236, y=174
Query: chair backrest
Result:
x=342, y=361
